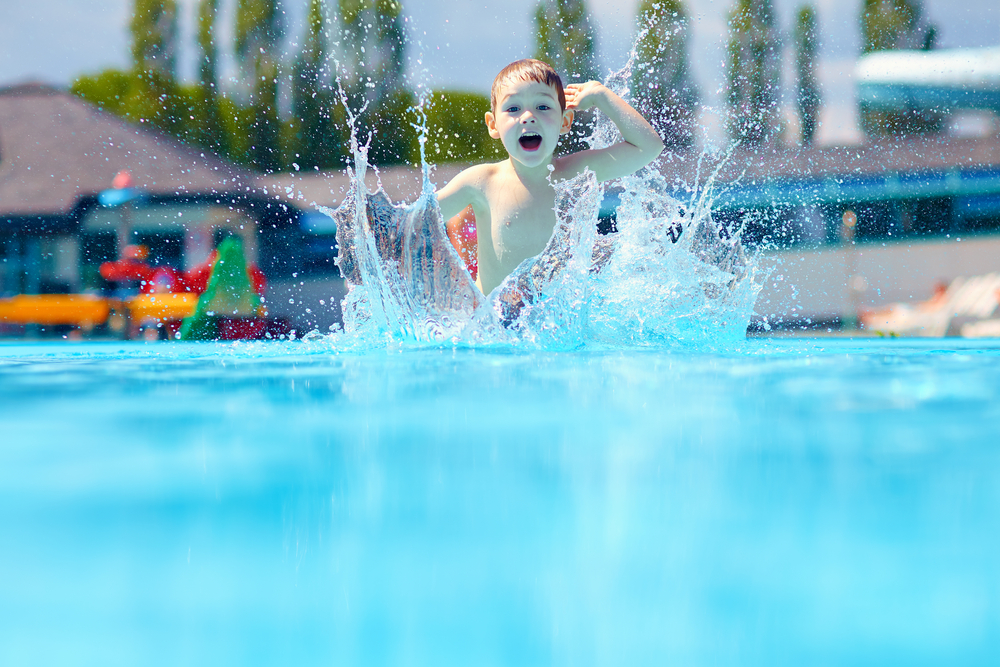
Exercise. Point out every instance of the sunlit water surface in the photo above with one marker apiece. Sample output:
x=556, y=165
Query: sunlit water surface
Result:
x=781, y=503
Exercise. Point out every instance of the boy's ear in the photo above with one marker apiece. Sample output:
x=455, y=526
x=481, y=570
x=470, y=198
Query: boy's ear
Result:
x=567, y=121
x=491, y=125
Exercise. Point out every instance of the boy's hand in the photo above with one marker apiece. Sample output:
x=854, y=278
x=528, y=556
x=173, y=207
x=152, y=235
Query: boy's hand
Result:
x=585, y=95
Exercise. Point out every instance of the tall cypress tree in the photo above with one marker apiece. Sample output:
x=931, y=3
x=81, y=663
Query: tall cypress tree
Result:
x=209, y=131
x=807, y=97
x=754, y=59
x=888, y=25
x=374, y=44
x=893, y=24
x=565, y=38
x=258, y=31
x=391, y=47
x=374, y=40
x=317, y=139
x=152, y=95
x=661, y=83
x=154, y=37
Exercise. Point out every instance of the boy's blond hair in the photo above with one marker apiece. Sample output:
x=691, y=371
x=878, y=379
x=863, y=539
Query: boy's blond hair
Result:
x=527, y=69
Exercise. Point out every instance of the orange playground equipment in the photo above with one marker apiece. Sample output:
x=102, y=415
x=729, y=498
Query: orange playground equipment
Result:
x=81, y=310
x=165, y=298
x=87, y=312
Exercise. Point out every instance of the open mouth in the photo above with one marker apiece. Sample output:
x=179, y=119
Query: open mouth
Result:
x=530, y=142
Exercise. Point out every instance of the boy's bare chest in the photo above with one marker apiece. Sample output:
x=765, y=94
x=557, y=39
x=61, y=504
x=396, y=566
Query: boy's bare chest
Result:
x=522, y=218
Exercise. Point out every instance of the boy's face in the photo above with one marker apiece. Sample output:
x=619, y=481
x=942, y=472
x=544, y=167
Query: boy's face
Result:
x=528, y=121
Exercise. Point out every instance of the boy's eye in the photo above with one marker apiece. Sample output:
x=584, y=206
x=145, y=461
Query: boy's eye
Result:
x=543, y=107
x=512, y=109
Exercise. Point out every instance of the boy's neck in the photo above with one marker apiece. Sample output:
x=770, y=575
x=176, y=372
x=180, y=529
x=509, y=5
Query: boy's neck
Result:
x=532, y=175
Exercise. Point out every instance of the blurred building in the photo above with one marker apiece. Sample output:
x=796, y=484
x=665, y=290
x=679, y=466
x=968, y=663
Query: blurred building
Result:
x=946, y=80
x=58, y=153
x=854, y=228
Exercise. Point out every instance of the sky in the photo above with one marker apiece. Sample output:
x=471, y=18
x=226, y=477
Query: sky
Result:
x=462, y=44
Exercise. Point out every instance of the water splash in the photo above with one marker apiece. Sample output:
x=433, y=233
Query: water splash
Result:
x=405, y=280
x=669, y=275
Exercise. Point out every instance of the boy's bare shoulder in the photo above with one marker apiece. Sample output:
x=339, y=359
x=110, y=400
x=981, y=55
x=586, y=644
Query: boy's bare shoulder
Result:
x=468, y=187
x=477, y=175
x=474, y=180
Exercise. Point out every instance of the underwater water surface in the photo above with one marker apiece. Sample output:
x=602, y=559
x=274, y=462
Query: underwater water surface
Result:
x=778, y=502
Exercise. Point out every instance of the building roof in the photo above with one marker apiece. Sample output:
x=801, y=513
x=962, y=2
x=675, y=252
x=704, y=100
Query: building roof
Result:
x=55, y=147
x=890, y=168
x=943, y=80
x=328, y=188
x=909, y=154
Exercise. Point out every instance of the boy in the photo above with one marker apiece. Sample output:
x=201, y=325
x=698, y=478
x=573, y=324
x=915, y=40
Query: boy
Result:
x=514, y=200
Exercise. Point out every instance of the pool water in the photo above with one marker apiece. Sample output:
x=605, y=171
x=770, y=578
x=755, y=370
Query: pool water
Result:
x=782, y=502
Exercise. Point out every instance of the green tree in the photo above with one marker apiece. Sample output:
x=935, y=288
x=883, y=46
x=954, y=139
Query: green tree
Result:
x=237, y=125
x=208, y=130
x=116, y=91
x=754, y=58
x=153, y=95
x=456, y=131
x=807, y=97
x=661, y=83
x=565, y=38
x=888, y=25
x=258, y=32
x=148, y=94
x=108, y=90
x=154, y=37
x=374, y=46
x=390, y=123
x=894, y=24
x=317, y=140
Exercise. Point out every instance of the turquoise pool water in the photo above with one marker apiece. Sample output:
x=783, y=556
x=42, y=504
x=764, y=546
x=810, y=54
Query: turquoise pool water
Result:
x=787, y=502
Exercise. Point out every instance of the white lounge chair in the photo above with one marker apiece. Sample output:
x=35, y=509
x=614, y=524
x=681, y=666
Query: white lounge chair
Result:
x=974, y=297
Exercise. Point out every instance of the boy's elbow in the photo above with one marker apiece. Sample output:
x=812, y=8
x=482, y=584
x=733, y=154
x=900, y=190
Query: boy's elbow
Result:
x=658, y=145
x=654, y=149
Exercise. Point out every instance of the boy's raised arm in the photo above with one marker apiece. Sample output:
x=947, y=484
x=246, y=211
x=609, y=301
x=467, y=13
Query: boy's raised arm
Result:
x=641, y=143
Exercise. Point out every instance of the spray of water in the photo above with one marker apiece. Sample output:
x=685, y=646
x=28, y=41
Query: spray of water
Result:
x=669, y=275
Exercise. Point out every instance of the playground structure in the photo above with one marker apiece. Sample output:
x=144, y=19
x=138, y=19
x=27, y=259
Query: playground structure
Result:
x=219, y=300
